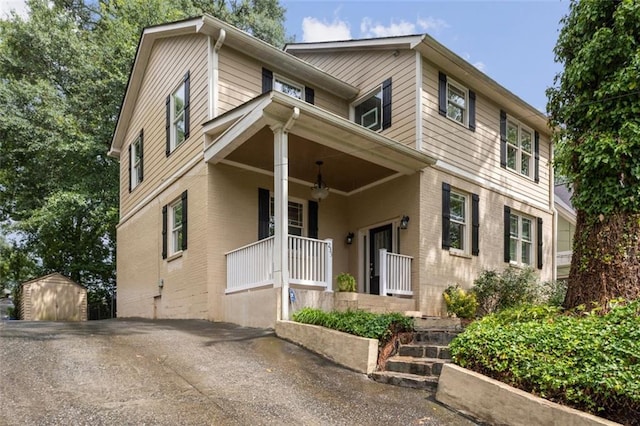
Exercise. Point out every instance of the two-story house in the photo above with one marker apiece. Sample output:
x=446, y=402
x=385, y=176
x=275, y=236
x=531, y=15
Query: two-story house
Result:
x=251, y=177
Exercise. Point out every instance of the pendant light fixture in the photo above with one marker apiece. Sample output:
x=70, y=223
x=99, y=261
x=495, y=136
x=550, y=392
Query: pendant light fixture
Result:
x=320, y=190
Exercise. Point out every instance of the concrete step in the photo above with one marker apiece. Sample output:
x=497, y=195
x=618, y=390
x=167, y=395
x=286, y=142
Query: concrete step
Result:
x=425, y=351
x=434, y=337
x=429, y=323
x=406, y=380
x=413, y=365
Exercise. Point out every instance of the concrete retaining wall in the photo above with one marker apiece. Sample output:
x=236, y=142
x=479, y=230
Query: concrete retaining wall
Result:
x=356, y=353
x=497, y=403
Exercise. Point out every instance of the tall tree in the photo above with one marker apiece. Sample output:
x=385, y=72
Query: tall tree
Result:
x=63, y=72
x=595, y=108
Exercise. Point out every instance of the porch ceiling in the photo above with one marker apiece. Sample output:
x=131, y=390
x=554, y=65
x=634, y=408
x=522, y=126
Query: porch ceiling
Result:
x=353, y=156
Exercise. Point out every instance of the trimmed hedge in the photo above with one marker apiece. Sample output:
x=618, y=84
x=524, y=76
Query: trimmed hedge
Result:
x=358, y=323
x=588, y=361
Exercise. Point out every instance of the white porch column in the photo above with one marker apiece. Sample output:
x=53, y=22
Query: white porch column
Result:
x=281, y=197
x=383, y=272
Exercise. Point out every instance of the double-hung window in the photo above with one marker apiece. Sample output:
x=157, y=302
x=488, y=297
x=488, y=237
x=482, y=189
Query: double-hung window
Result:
x=460, y=221
x=519, y=148
x=271, y=81
x=288, y=87
x=177, y=120
x=373, y=110
x=296, y=217
x=456, y=102
x=174, y=227
x=522, y=239
x=136, y=156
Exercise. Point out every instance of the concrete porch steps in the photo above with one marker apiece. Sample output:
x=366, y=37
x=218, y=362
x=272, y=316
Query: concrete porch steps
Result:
x=418, y=364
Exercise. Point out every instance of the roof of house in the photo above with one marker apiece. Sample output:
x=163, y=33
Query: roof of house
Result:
x=562, y=192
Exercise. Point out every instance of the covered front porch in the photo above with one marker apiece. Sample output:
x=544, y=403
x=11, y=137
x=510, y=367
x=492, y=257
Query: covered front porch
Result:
x=360, y=228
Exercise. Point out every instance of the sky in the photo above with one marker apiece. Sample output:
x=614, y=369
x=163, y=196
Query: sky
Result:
x=509, y=40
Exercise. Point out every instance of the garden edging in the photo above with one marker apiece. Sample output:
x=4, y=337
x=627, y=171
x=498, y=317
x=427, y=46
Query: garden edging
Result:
x=356, y=353
x=498, y=403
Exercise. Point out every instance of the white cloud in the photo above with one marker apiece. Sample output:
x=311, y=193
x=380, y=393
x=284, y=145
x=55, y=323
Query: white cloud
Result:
x=370, y=29
x=432, y=24
x=480, y=65
x=316, y=30
x=19, y=6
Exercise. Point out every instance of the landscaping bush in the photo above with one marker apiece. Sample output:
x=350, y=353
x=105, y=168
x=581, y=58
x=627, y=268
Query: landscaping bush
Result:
x=460, y=303
x=584, y=360
x=512, y=287
x=358, y=323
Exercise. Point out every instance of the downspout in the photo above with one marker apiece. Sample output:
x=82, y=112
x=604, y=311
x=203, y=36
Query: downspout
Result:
x=285, y=231
x=213, y=76
x=552, y=200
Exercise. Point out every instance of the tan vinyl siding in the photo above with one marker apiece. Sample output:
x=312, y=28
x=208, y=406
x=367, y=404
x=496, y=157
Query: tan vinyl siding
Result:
x=367, y=70
x=478, y=152
x=169, y=61
x=240, y=80
x=53, y=297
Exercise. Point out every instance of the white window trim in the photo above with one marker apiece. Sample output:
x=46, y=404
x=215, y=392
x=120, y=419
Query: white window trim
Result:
x=173, y=229
x=290, y=83
x=518, y=169
x=134, y=166
x=518, y=260
x=465, y=90
x=352, y=107
x=174, y=142
x=300, y=201
x=467, y=223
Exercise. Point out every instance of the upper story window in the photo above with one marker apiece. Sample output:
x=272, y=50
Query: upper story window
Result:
x=522, y=238
x=177, y=120
x=286, y=86
x=174, y=227
x=456, y=102
x=373, y=110
x=136, y=158
x=519, y=148
x=460, y=221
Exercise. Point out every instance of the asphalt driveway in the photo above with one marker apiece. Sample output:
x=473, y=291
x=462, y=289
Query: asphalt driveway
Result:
x=119, y=372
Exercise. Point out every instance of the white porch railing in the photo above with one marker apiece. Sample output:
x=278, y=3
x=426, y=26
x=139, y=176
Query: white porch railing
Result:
x=250, y=266
x=310, y=263
x=395, y=274
x=563, y=258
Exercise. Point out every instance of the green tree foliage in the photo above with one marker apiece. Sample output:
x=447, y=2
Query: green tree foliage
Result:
x=595, y=107
x=64, y=70
x=16, y=266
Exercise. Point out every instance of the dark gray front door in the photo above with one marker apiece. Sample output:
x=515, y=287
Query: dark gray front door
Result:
x=379, y=238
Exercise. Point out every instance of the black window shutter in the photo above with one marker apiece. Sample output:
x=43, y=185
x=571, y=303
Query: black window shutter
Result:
x=503, y=139
x=187, y=104
x=264, y=199
x=168, y=126
x=141, y=176
x=507, y=234
x=446, y=215
x=309, y=95
x=475, y=224
x=313, y=219
x=130, y=167
x=386, y=104
x=267, y=80
x=539, y=254
x=184, y=220
x=442, y=93
x=164, y=232
x=536, y=153
x=472, y=110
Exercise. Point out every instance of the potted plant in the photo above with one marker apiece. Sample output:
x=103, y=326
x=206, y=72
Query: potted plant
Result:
x=346, y=282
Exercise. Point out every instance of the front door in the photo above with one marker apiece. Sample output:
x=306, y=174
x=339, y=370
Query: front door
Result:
x=379, y=238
